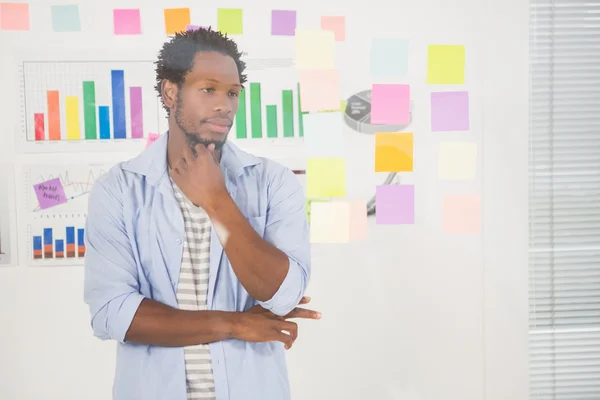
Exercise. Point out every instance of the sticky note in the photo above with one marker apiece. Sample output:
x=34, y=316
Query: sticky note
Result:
x=65, y=18
x=315, y=49
x=50, y=193
x=395, y=204
x=14, y=16
x=457, y=161
x=336, y=24
x=283, y=22
x=461, y=214
x=319, y=90
x=330, y=222
x=446, y=65
x=358, y=220
x=394, y=152
x=308, y=205
x=449, y=111
x=323, y=134
x=230, y=21
x=176, y=20
x=192, y=27
x=152, y=138
x=389, y=58
x=127, y=22
x=390, y=104
x=325, y=177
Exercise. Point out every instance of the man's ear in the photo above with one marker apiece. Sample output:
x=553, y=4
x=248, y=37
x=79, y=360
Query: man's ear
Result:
x=169, y=93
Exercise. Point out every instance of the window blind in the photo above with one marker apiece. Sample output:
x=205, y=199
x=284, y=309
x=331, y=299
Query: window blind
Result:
x=564, y=177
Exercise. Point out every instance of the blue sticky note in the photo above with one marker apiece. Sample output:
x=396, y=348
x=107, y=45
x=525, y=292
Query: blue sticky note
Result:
x=323, y=134
x=65, y=18
x=389, y=57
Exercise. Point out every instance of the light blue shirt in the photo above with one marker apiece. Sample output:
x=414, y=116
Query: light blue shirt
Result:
x=134, y=239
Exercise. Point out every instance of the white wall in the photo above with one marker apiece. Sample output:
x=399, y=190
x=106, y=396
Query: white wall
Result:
x=408, y=314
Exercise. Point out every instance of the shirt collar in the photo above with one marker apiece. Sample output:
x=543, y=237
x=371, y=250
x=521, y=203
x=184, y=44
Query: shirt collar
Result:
x=152, y=162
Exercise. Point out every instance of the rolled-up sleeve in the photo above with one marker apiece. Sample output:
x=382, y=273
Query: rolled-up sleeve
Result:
x=111, y=287
x=287, y=229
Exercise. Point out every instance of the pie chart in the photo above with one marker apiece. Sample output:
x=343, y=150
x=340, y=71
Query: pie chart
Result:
x=358, y=115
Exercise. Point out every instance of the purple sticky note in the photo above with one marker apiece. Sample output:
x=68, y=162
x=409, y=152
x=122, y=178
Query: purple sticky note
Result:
x=395, y=204
x=283, y=22
x=192, y=27
x=449, y=111
x=50, y=193
x=127, y=22
x=390, y=104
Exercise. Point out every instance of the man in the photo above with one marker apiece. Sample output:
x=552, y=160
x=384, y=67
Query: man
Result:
x=197, y=252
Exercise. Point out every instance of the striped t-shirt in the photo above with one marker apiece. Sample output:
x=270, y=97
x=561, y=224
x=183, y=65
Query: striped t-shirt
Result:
x=192, y=292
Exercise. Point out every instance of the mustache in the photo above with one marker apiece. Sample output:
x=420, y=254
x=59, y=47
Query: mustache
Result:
x=218, y=121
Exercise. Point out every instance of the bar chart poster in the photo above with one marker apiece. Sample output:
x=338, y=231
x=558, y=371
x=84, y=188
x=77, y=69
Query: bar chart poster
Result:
x=7, y=245
x=56, y=242
x=88, y=106
x=69, y=186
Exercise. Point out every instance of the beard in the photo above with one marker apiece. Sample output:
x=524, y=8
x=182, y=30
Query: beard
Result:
x=193, y=139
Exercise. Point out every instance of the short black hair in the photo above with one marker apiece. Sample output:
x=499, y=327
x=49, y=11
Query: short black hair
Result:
x=176, y=57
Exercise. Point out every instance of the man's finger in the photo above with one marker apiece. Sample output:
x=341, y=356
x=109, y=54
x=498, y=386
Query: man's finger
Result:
x=304, y=300
x=299, y=312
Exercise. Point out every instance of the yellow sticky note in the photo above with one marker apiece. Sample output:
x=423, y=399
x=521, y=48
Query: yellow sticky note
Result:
x=325, y=177
x=315, y=49
x=308, y=205
x=394, y=152
x=457, y=161
x=176, y=20
x=230, y=21
x=446, y=65
x=330, y=222
x=461, y=214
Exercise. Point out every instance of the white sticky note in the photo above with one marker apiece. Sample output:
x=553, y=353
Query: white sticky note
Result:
x=315, y=49
x=330, y=222
x=457, y=161
x=323, y=134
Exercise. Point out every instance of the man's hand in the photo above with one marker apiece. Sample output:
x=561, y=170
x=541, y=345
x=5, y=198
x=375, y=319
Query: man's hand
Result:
x=260, y=325
x=199, y=176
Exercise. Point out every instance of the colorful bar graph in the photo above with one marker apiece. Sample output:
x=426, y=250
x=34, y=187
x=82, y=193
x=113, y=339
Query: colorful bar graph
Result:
x=73, y=127
x=37, y=247
x=53, y=115
x=48, y=243
x=104, y=121
x=70, y=241
x=60, y=248
x=137, y=116
x=256, y=110
x=80, y=243
x=118, y=104
x=39, y=126
x=300, y=113
x=241, y=129
x=89, y=109
x=287, y=102
x=271, y=121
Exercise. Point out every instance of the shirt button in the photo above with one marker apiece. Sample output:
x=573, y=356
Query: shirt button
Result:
x=178, y=241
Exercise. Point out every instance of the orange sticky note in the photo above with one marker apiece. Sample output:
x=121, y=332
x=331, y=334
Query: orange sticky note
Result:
x=176, y=20
x=461, y=214
x=319, y=90
x=337, y=24
x=394, y=152
x=14, y=16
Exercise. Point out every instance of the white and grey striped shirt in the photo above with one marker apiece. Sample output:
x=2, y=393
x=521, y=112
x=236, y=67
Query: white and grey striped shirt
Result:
x=192, y=292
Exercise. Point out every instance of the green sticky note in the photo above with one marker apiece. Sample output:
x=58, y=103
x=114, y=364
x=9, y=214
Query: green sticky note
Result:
x=230, y=21
x=326, y=177
x=65, y=18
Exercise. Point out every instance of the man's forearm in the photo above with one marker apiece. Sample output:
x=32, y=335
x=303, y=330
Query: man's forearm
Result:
x=260, y=266
x=158, y=324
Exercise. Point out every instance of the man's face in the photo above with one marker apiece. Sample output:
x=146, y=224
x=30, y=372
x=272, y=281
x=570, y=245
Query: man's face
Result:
x=208, y=99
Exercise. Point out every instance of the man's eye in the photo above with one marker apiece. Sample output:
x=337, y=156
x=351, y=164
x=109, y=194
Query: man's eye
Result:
x=208, y=90
x=234, y=94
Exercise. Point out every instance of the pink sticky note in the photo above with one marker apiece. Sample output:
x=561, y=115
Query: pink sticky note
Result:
x=337, y=24
x=319, y=90
x=358, y=219
x=461, y=214
x=390, y=104
x=395, y=204
x=50, y=193
x=127, y=21
x=152, y=138
x=14, y=16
